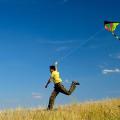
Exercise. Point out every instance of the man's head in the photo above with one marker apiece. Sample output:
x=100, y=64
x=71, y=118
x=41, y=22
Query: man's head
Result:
x=52, y=68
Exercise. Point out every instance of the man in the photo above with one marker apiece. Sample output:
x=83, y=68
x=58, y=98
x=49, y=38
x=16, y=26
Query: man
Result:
x=58, y=87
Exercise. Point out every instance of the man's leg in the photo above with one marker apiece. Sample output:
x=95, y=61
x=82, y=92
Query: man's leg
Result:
x=52, y=99
x=63, y=90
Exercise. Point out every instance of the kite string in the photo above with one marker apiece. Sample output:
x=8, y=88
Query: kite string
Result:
x=116, y=36
x=76, y=49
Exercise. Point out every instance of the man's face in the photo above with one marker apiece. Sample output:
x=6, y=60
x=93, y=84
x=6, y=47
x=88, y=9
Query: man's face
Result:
x=51, y=70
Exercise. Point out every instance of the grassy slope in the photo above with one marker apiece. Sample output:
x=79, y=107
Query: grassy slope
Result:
x=100, y=110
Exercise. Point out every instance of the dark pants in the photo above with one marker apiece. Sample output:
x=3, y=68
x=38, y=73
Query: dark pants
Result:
x=59, y=88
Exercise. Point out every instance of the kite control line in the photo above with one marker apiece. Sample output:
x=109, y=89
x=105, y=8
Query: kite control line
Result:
x=82, y=44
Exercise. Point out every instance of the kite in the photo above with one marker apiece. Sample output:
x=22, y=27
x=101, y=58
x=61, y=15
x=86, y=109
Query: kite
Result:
x=111, y=27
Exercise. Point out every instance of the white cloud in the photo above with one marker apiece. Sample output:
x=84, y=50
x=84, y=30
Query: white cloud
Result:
x=107, y=71
x=36, y=96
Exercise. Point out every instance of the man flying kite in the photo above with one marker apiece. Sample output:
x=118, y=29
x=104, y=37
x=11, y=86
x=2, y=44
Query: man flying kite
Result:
x=58, y=87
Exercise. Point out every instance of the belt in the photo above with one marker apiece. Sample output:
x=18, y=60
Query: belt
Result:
x=57, y=83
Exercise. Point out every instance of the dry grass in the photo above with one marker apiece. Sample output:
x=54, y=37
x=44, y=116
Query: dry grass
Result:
x=100, y=110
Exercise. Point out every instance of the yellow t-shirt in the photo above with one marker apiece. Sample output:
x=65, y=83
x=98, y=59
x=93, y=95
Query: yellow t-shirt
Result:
x=55, y=76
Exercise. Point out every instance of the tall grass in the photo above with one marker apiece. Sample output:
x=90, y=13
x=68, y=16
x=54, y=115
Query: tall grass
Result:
x=100, y=110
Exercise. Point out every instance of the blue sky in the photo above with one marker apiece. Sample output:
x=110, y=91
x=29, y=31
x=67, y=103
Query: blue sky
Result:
x=35, y=33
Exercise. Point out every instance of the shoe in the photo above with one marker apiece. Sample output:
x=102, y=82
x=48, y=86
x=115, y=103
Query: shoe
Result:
x=76, y=82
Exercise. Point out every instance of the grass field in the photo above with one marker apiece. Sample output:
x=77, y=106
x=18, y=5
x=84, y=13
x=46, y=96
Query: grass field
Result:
x=99, y=110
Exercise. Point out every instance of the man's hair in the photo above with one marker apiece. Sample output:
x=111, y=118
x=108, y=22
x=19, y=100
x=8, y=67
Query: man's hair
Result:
x=52, y=67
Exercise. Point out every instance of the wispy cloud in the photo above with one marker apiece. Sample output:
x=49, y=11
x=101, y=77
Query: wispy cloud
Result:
x=66, y=1
x=36, y=96
x=62, y=48
x=9, y=101
x=110, y=71
x=103, y=65
x=114, y=92
x=56, y=41
x=67, y=81
x=82, y=43
x=118, y=56
x=115, y=56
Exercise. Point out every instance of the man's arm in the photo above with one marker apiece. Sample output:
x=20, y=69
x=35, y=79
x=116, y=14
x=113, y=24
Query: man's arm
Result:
x=48, y=83
x=56, y=65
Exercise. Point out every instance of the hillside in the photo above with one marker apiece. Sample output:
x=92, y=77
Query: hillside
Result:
x=99, y=110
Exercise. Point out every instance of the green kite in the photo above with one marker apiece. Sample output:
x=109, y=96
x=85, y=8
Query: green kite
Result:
x=111, y=27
